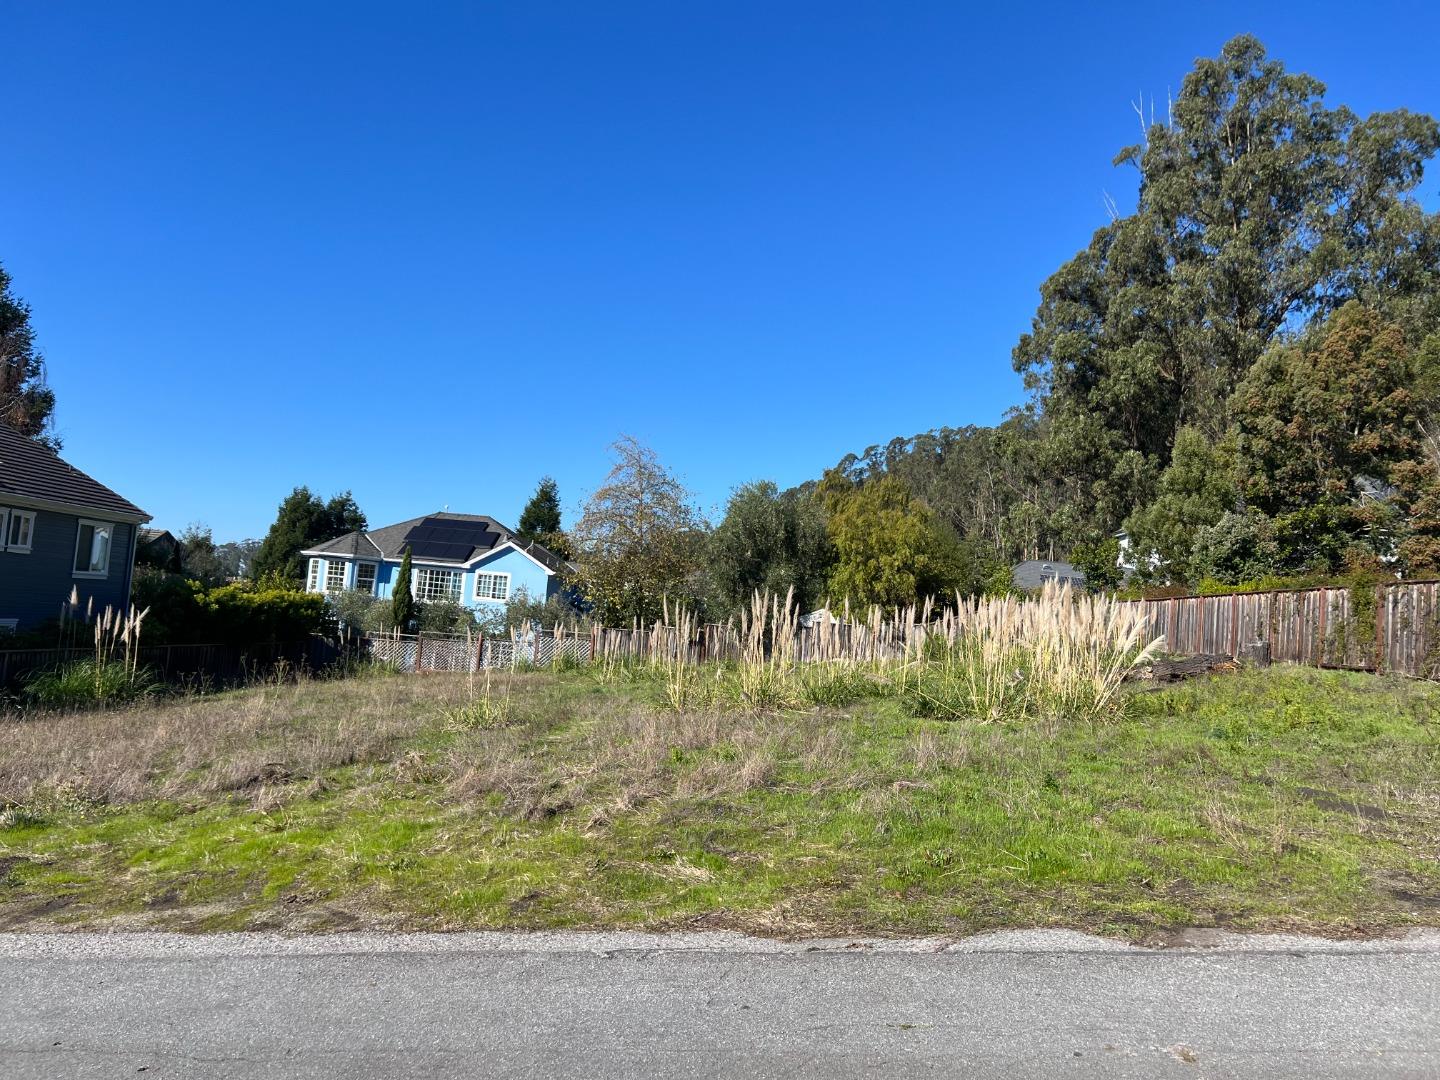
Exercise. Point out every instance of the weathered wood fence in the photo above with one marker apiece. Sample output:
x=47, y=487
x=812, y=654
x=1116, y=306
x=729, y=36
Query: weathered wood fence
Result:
x=1384, y=628
x=706, y=642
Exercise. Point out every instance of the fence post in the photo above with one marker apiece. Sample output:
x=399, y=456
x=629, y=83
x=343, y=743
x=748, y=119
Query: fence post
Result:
x=1382, y=594
x=419, y=651
x=480, y=653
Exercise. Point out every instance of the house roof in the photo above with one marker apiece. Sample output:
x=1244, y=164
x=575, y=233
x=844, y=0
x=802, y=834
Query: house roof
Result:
x=32, y=472
x=1032, y=573
x=149, y=536
x=389, y=542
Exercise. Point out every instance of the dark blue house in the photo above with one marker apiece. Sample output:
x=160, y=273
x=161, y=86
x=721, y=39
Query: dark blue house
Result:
x=60, y=530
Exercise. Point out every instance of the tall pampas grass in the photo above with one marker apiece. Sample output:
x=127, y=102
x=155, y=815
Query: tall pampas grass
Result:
x=1051, y=656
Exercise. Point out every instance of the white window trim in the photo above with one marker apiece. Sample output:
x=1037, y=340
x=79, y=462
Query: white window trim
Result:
x=9, y=518
x=495, y=574
x=344, y=567
x=312, y=576
x=455, y=596
x=374, y=576
x=5, y=527
x=94, y=575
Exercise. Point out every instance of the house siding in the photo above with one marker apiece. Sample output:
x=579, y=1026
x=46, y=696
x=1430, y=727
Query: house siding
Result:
x=34, y=585
x=524, y=574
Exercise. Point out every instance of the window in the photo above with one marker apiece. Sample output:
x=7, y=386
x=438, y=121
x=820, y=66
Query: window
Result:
x=365, y=577
x=92, y=549
x=437, y=585
x=334, y=575
x=312, y=579
x=9, y=625
x=492, y=586
x=21, y=530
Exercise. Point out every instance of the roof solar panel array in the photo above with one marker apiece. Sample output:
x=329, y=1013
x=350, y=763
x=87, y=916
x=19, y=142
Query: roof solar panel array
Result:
x=449, y=540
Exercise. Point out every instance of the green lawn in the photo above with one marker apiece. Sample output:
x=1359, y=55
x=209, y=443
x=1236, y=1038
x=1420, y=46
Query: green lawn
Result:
x=1286, y=798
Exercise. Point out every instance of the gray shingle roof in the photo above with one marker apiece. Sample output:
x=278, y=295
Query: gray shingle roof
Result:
x=30, y=471
x=387, y=542
x=1033, y=573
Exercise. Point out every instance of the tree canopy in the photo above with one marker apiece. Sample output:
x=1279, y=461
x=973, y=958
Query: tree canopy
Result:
x=772, y=541
x=26, y=400
x=303, y=521
x=540, y=520
x=890, y=548
x=1260, y=209
x=639, y=540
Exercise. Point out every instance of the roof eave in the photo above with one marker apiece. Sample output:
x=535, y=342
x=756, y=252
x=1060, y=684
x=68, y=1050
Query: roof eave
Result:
x=29, y=502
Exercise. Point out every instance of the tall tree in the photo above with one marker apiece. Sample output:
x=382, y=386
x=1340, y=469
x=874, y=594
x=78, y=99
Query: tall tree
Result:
x=26, y=400
x=540, y=520
x=302, y=521
x=890, y=549
x=1317, y=419
x=200, y=559
x=1195, y=492
x=771, y=541
x=1259, y=207
x=402, y=596
x=342, y=514
x=639, y=540
x=541, y=516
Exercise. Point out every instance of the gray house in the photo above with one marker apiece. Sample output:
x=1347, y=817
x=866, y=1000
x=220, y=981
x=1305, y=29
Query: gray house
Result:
x=59, y=530
x=1035, y=573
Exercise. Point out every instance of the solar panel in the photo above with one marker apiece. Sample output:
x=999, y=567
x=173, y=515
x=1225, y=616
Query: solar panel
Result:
x=450, y=540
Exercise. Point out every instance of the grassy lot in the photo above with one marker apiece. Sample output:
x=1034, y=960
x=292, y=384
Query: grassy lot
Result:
x=1286, y=798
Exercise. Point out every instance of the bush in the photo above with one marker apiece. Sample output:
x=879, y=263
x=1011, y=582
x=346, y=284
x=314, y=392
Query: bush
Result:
x=1239, y=547
x=361, y=611
x=242, y=613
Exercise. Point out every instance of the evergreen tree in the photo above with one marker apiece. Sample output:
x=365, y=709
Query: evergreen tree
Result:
x=1259, y=208
x=541, y=516
x=402, y=600
x=303, y=521
x=26, y=401
x=540, y=520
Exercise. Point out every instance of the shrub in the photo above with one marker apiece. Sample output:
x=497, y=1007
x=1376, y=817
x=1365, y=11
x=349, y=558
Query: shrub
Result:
x=242, y=613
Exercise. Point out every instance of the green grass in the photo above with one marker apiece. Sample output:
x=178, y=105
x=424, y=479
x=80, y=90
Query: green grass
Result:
x=1286, y=798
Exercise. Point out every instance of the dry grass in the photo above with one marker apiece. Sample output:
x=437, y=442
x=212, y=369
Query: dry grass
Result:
x=225, y=742
x=1270, y=799
x=1054, y=656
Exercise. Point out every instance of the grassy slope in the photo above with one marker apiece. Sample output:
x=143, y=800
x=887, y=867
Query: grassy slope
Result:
x=1288, y=798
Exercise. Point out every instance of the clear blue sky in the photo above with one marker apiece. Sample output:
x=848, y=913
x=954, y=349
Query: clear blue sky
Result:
x=430, y=253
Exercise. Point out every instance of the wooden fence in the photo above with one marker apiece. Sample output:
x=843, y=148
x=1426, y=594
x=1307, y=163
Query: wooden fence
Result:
x=700, y=644
x=1387, y=628
x=216, y=664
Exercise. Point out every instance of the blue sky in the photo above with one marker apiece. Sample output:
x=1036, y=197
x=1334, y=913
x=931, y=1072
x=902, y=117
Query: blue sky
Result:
x=430, y=253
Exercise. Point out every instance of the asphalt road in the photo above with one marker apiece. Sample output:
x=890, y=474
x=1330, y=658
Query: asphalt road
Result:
x=712, y=1005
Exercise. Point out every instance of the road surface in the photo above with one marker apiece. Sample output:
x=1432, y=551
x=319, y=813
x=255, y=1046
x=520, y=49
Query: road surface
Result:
x=1033, y=1004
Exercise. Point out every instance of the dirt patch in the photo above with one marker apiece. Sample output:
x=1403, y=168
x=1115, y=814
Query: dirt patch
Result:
x=1329, y=800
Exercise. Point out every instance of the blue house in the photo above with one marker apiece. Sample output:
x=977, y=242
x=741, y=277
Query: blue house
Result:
x=461, y=558
x=60, y=530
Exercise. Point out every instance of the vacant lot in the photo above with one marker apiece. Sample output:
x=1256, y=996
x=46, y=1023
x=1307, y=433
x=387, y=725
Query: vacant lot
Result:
x=1286, y=798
